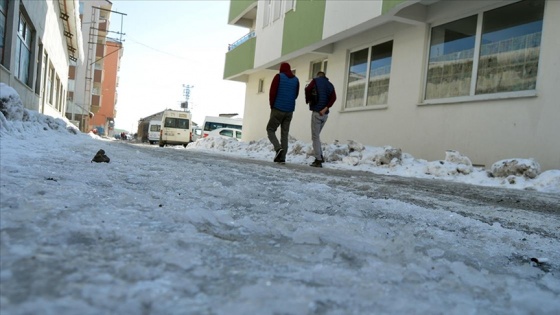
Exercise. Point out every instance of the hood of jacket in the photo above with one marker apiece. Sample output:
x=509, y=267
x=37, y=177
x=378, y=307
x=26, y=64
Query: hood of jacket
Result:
x=286, y=69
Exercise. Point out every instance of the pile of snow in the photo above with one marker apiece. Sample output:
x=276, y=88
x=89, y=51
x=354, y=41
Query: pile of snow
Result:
x=511, y=173
x=21, y=119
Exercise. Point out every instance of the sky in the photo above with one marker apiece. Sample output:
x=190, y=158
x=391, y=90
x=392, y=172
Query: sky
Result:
x=171, y=44
x=218, y=228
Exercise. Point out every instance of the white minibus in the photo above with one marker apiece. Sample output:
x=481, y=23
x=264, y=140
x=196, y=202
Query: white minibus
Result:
x=153, y=131
x=213, y=123
x=175, y=128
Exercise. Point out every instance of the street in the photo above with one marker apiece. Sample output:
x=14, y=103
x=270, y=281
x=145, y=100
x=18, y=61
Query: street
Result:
x=178, y=231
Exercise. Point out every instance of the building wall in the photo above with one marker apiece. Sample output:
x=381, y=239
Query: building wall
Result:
x=106, y=115
x=84, y=83
x=486, y=129
x=43, y=16
x=269, y=43
x=303, y=26
x=343, y=15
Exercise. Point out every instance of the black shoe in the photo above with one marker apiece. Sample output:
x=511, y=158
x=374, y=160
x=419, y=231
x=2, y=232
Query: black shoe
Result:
x=278, y=156
x=317, y=163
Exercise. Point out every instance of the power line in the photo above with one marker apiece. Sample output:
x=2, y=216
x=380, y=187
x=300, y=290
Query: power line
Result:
x=155, y=49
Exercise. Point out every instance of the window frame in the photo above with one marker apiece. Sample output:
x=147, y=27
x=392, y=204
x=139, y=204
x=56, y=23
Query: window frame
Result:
x=275, y=10
x=176, y=123
x=3, y=34
x=260, y=87
x=369, y=48
x=324, y=65
x=24, y=40
x=473, y=97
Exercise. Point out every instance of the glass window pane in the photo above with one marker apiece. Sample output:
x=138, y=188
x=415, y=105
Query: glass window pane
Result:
x=509, y=54
x=2, y=28
x=228, y=133
x=169, y=122
x=182, y=124
x=357, y=78
x=266, y=15
x=451, y=59
x=4, y=7
x=379, y=73
x=18, y=59
x=277, y=9
x=315, y=67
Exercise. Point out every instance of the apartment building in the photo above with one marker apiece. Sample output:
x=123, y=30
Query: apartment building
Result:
x=92, y=95
x=481, y=77
x=38, y=41
x=104, y=119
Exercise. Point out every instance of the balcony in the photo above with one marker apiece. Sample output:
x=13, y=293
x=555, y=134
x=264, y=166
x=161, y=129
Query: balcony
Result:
x=240, y=58
x=241, y=41
x=243, y=13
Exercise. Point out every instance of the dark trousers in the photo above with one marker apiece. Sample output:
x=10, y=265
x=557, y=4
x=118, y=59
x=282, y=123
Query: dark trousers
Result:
x=279, y=119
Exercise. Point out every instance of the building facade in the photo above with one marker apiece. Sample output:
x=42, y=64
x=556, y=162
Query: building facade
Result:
x=426, y=76
x=104, y=119
x=93, y=84
x=38, y=41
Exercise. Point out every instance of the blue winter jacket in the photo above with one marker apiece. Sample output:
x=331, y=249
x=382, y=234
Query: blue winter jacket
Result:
x=324, y=90
x=287, y=93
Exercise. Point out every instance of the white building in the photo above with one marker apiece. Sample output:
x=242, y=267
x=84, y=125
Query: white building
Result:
x=38, y=40
x=480, y=77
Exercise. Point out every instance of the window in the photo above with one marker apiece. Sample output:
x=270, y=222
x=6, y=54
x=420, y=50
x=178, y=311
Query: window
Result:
x=176, y=123
x=227, y=132
x=267, y=10
x=261, y=86
x=316, y=67
x=155, y=128
x=40, y=69
x=3, y=15
x=23, y=50
x=209, y=126
x=277, y=9
x=273, y=10
x=45, y=86
x=50, y=85
x=500, y=55
x=57, y=94
x=368, y=76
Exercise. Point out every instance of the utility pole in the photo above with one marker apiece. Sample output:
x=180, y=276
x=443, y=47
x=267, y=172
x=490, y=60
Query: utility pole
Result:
x=187, y=93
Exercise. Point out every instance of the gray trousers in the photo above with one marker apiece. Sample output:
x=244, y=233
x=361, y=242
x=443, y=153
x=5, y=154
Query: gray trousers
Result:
x=317, y=124
x=279, y=119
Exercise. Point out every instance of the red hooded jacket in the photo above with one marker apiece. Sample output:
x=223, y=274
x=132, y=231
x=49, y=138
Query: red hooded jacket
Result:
x=287, y=70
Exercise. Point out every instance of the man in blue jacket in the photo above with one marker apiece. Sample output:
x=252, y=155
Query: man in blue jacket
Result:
x=320, y=95
x=284, y=91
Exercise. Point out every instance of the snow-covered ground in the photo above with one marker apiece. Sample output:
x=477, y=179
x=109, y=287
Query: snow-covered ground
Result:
x=195, y=231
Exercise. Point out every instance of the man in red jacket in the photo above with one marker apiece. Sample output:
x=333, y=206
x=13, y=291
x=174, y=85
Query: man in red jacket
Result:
x=284, y=91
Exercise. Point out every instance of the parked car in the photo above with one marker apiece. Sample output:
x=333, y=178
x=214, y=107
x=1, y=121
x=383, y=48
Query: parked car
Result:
x=226, y=132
